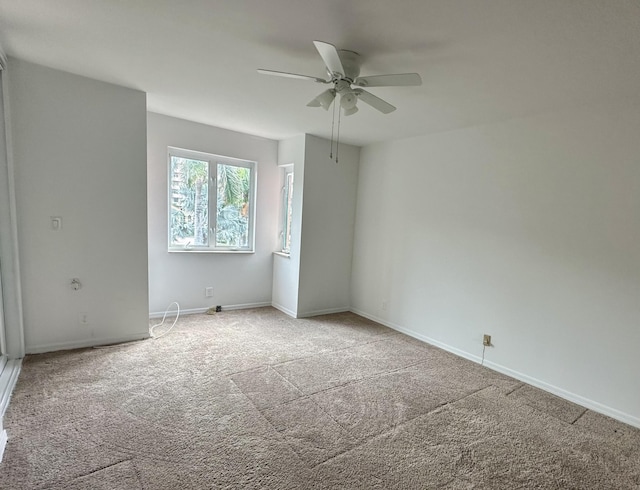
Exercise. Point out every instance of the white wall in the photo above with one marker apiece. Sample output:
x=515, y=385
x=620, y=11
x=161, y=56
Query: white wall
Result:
x=527, y=230
x=237, y=279
x=327, y=227
x=286, y=270
x=11, y=327
x=316, y=278
x=79, y=153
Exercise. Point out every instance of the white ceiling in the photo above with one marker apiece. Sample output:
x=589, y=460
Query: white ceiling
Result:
x=480, y=60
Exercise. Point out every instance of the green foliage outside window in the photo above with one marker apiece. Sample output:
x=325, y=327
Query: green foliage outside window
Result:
x=189, y=212
x=232, y=218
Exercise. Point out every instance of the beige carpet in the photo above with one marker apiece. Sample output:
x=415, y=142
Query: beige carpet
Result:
x=254, y=399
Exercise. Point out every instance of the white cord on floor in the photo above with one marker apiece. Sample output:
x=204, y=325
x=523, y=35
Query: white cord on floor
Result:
x=151, y=329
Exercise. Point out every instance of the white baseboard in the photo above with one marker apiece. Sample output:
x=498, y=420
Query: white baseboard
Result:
x=284, y=310
x=327, y=311
x=567, y=395
x=309, y=314
x=419, y=336
x=196, y=311
x=172, y=312
x=245, y=306
x=79, y=344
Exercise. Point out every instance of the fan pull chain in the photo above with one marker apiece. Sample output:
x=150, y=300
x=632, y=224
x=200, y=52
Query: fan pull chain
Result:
x=338, y=136
x=333, y=120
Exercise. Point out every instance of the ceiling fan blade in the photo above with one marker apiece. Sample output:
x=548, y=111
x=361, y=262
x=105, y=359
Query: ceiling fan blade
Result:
x=323, y=100
x=375, y=102
x=397, y=80
x=330, y=56
x=291, y=75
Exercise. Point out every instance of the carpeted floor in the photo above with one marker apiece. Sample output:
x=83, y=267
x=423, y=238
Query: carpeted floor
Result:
x=255, y=399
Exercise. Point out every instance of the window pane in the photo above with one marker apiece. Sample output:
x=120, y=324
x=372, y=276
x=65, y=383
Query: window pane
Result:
x=233, y=206
x=189, y=221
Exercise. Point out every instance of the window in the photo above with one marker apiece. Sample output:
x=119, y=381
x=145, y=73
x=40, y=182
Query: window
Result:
x=287, y=207
x=211, y=202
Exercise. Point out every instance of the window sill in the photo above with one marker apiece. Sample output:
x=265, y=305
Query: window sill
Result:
x=195, y=251
x=282, y=254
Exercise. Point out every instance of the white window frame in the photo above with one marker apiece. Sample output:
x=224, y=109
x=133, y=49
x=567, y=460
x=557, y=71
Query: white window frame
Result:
x=287, y=173
x=213, y=160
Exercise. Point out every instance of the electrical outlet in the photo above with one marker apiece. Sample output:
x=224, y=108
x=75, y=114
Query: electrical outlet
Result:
x=56, y=223
x=486, y=340
x=208, y=292
x=83, y=318
x=385, y=305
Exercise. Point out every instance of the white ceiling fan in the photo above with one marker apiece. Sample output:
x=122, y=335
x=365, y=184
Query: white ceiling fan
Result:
x=343, y=68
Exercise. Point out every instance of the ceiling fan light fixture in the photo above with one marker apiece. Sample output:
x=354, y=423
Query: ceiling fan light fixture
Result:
x=348, y=100
x=325, y=99
x=350, y=111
